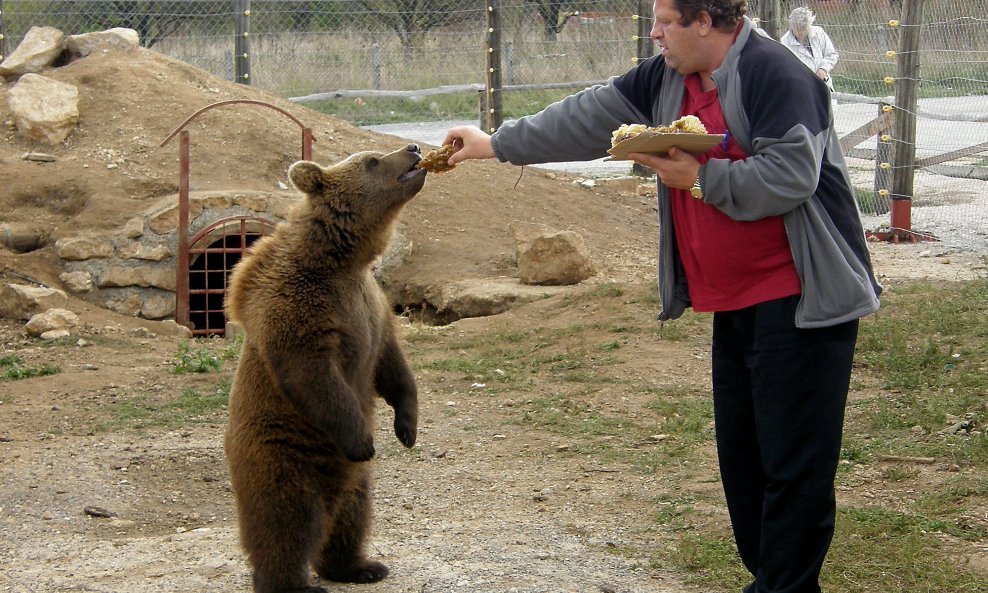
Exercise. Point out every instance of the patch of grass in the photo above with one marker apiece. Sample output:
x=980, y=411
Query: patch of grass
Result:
x=955, y=506
x=882, y=550
x=515, y=359
x=383, y=110
x=874, y=550
x=206, y=357
x=709, y=560
x=929, y=348
x=704, y=553
x=566, y=414
x=191, y=407
x=12, y=368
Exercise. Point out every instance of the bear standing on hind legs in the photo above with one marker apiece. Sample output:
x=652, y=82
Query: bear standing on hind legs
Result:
x=319, y=348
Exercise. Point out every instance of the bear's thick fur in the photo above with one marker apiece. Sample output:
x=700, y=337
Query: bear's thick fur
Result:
x=319, y=347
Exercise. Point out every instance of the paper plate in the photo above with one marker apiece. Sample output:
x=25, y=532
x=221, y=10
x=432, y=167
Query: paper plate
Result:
x=658, y=143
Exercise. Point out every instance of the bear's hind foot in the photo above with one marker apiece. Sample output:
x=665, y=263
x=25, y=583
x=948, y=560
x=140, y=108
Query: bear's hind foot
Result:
x=368, y=571
x=263, y=586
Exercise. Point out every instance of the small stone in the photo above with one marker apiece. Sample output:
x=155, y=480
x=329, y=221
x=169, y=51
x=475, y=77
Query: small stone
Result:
x=38, y=157
x=99, y=512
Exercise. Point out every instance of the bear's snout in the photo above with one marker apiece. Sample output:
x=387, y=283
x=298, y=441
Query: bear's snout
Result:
x=413, y=148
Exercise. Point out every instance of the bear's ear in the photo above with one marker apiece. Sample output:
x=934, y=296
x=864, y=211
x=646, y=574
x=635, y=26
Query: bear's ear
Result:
x=306, y=176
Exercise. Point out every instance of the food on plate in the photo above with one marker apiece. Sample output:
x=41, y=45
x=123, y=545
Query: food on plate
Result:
x=626, y=131
x=688, y=124
x=436, y=161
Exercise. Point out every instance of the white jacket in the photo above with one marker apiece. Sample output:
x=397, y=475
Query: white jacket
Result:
x=821, y=53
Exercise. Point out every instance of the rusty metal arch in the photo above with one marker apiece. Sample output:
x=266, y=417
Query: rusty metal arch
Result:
x=307, y=138
x=207, y=286
x=182, y=271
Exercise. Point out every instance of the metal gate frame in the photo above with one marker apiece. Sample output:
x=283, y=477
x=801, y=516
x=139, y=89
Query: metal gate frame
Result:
x=182, y=269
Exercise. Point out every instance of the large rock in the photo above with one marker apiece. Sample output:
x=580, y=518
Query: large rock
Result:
x=547, y=257
x=129, y=306
x=481, y=297
x=84, y=247
x=52, y=320
x=80, y=46
x=80, y=281
x=20, y=301
x=169, y=327
x=41, y=46
x=158, y=306
x=44, y=109
x=137, y=250
x=118, y=276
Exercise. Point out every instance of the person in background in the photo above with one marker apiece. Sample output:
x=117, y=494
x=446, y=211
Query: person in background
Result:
x=811, y=44
x=763, y=231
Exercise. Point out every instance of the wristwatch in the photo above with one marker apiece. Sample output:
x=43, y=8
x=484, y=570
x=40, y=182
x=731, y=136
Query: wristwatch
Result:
x=696, y=190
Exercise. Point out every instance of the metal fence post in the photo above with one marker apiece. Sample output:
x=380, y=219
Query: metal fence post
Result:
x=241, y=44
x=495, y=115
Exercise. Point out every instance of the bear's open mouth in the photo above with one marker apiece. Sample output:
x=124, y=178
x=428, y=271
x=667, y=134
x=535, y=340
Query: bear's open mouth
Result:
x=412, y=173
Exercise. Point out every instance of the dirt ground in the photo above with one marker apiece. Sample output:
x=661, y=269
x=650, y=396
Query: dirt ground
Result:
x=485, y=503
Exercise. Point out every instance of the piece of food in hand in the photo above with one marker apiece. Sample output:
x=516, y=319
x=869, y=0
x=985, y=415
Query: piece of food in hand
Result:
x=688, y=124
x=437, y=161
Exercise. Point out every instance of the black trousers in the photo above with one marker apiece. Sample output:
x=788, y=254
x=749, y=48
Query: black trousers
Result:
x=779, y=399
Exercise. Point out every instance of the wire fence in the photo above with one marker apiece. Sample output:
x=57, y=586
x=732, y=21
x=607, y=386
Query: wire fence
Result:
x=379, y=61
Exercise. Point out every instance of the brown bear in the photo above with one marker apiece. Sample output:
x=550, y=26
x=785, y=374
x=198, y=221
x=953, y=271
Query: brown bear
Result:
x=319, y=347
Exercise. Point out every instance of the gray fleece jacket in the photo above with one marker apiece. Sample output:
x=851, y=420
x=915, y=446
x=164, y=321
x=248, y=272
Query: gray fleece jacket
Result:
x=779, y=113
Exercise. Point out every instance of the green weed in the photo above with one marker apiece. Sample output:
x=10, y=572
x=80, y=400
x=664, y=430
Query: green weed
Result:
x=883, y=550
x=929, y=348
x=191, y=407
x=208, y=357
x=12, y=367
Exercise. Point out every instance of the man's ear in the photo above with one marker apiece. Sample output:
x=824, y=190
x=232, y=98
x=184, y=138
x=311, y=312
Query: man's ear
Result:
x=706, y=22
x=306, y=176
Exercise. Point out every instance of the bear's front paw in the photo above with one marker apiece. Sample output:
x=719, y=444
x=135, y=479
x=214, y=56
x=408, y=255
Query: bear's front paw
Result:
x=406, y=431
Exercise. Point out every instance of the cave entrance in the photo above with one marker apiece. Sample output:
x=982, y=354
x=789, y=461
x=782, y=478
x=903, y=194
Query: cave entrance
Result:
x=212, y=254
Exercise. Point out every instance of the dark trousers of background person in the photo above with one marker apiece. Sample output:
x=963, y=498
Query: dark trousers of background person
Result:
x=779, y=398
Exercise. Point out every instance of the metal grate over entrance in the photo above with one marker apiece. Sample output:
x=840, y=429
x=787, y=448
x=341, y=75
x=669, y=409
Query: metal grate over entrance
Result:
x=212, y=254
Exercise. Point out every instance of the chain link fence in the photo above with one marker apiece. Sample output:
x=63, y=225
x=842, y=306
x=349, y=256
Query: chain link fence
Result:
x=379, y=61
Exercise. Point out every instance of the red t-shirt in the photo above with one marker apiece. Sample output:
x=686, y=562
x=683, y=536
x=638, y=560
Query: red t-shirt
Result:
x=729, y=264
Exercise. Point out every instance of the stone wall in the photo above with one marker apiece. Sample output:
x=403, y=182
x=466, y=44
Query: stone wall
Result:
x=134, y=271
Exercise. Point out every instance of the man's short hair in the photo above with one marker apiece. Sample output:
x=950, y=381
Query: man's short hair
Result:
x=725, y=14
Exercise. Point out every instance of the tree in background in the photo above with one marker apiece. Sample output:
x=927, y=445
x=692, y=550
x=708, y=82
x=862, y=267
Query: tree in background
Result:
x=554, y=14
x=153, y=20
x=412, y=19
